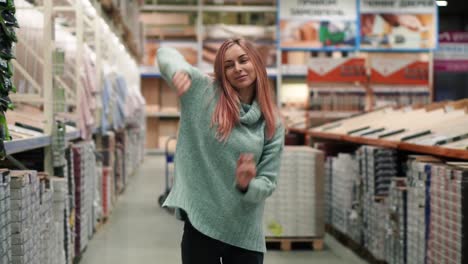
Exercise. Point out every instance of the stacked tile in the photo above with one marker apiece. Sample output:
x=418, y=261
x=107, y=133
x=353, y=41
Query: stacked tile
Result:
x=119, y=170
x=107, y=191
x=60, y=217
x=328, y=190
x=419, y=176
x=81, y=209
x=395, y=242
x=296, y=207
x=5, y=217
x=345, y=176
x=47, y=232
x=380, y=165
x=70, y=207
x=91, y=188
x=448, y=217
x=99, y=203
x=106, y=147
x=374, y=213
x=133, y=153
x=25, y=210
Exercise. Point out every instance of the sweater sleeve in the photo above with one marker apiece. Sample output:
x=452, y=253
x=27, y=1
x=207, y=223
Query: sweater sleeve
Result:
x=171, y=61
x=263, y=185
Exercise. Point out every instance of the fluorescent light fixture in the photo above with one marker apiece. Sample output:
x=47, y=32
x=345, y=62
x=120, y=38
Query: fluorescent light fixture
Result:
x=441, y=3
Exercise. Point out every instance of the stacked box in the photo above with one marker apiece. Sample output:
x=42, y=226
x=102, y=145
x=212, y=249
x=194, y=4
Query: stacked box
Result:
x=296, y=206
x=419, y=181
x=60, y=218
x=379, y=166
x=133, y=153
x=47, y=246
x=396, y=222
x=25, y=213
x=91, y=187
x=448, y=218
x=107, y=191
x=374, y=213
x=70, y=208
x=5, y=217
x=81, y=209
x=84, y=160
x=119, y=172
x=98, y=201
x=106, y=147
x=345, y=179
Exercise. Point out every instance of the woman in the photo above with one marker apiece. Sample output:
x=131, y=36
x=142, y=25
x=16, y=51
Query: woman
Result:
x=228, y=153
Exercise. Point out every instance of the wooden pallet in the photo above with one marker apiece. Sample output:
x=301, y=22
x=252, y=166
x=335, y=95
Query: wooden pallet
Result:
x=292, y=243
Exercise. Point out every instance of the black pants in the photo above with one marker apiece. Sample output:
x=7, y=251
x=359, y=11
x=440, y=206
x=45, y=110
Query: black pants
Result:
x=200, y=249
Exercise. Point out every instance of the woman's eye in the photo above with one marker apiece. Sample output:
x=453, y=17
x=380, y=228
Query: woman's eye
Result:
x=228, y=66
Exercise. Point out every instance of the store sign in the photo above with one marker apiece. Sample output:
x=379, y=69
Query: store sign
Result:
x=399, y=71
x=452, y=55
x=318, y=24
x=318, y=10
x=397, y=6
x=398, y=24
x=333, y=70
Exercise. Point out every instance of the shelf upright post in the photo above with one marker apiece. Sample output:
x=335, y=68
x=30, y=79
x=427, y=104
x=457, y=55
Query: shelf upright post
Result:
x=79, y=54
x=48, y=91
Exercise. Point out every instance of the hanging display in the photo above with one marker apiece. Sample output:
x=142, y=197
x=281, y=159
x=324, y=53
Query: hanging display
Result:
x=398, y=24
x=316, y=24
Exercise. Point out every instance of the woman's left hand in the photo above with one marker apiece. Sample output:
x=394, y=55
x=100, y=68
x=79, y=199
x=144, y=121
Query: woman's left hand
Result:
x=246, y=171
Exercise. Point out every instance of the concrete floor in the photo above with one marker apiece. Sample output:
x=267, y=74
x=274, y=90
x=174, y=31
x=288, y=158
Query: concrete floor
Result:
x=139, y=231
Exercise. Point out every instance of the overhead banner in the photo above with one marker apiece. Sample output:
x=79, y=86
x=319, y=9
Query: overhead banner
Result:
x=398, y=24
x=399, y=71
x=318, y=24
x=335, y=70
x=452, y=55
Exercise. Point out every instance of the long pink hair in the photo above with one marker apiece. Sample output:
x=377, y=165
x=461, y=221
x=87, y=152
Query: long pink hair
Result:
x=226, y=114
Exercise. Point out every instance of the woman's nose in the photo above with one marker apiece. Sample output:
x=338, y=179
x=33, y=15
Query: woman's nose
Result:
x=237, y=67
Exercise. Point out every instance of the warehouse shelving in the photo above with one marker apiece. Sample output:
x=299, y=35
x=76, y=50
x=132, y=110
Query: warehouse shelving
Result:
x=442, y=116
x=159, y=121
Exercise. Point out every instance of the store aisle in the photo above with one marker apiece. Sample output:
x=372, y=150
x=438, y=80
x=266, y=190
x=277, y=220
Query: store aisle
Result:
x=139, y=231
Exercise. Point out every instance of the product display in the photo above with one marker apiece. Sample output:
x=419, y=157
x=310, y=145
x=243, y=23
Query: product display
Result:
x=449, y=186
x=344, y=178
x=25, y=215
x=5, y=220
x=398, y=219
x=61, y=215
x=397, y=226
x=418, y=207
x=296, y=208
x=84, y=162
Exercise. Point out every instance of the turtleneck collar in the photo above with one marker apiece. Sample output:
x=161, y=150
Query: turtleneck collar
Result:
x=250, y=114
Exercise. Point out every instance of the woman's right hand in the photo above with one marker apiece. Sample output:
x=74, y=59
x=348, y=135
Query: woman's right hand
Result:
x=182, y=82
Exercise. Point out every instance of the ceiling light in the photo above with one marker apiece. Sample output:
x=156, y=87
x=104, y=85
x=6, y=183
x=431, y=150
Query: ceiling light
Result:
x=441, y=3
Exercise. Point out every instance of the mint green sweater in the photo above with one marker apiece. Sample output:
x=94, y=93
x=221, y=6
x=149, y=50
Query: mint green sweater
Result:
x=204, y=185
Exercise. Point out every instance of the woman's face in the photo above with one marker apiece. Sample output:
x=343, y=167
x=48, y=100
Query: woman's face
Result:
x=239, y=68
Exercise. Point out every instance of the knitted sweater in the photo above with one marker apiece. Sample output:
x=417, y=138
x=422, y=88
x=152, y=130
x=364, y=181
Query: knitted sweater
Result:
x=204, y=184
